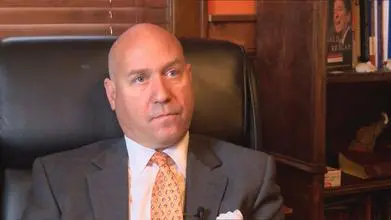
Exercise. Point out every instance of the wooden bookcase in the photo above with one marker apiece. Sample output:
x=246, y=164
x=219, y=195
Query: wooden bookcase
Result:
x=308, y=115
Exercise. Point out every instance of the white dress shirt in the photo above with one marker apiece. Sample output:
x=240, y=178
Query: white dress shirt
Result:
x=143, y=176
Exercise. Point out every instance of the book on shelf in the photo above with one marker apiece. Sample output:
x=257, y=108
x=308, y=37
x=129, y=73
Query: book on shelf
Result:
x=374, y=31
x=358, y=32
x=365, y=165
x=339, y=35
x=356, y=50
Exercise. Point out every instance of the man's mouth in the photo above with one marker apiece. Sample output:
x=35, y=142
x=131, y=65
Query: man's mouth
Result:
x=161, y=116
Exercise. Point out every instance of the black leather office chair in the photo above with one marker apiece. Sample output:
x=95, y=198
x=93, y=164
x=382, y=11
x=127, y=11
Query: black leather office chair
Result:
x=52, y=99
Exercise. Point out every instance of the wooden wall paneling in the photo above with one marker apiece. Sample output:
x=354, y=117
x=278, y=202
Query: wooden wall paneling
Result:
x=238, y=7
x=301, y=192
x=242, y=33
x=357, y=207
x=233, y=21
x=189, y=18
x=290, y=65
x=382, y=203
x=290, y=46
x=204, y=19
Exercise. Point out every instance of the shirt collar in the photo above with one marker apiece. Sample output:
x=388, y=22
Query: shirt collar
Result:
x=140, y=155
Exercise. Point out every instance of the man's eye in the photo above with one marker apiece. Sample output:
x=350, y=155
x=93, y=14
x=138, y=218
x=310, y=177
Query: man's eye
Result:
x=172, y=73
x=139, y=79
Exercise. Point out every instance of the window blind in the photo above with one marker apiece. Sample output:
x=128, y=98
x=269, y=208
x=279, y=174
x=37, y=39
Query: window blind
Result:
x=79, y=17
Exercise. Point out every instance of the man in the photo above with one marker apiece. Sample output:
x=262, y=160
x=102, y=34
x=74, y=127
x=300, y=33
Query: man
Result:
x=340, y=39
x=342, y=15
x=158, y=170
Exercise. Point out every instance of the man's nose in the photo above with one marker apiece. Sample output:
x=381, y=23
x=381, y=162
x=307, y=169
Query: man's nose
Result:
x=161, y=91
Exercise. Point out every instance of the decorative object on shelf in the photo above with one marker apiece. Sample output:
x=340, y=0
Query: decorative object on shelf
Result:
x=365, y=67
x=332, y=178
x=361, y=159
x=387, y=65
x=366, y=136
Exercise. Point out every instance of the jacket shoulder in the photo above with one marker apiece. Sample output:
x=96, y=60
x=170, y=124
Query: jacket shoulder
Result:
x=224, y=149
x=78, y=156
x=234, y=157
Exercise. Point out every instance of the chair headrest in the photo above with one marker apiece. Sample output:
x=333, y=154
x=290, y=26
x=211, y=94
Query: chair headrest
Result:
x=52, y=95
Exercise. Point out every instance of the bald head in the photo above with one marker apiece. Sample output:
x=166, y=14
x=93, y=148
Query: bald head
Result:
x=150, y=86
x=140, y=37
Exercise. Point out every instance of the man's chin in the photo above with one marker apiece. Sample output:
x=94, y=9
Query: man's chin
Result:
x=169, y=138
x=338, y=29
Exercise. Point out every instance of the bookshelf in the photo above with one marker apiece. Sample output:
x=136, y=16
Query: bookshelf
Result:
x=353, y=185
x=309, y=114
x=354, y=77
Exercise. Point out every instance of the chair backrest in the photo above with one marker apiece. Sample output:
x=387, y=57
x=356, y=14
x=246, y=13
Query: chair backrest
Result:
x=52, y=99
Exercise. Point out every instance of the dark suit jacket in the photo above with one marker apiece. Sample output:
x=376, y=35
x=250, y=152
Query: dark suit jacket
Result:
x=90, y=183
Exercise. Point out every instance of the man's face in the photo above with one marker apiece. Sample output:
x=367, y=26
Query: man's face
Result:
x=151, y=93
x=341, y=16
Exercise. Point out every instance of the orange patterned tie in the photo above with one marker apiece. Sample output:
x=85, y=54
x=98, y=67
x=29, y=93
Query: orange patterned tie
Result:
x=168, y=190
x=130, y=194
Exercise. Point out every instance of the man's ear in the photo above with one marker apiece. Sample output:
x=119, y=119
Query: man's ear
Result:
x=189, y=70
x=110, y=92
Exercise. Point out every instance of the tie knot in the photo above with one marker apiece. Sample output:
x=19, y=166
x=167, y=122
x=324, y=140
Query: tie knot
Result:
x=161, y=159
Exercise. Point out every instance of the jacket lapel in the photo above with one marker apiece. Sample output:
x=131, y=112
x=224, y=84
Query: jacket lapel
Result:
x=205, y=185
x=108, y=187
